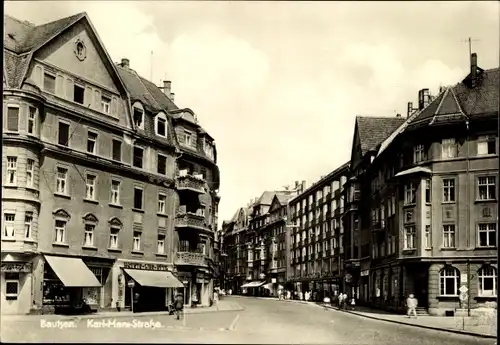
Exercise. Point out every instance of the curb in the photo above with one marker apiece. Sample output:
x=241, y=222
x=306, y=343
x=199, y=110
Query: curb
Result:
x=118, y=315
x=420, y=326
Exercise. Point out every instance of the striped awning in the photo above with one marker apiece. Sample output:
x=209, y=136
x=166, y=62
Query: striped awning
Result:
x=253, y=284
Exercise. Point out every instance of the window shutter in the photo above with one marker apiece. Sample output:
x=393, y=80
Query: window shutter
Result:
x=97, y=100
x=70, y=89
x=38, y=76
x=13, y=119
x=114, y=104
x=60, y=85
x=88, y=96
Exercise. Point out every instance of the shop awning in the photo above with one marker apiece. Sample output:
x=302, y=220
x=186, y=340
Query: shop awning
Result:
x=253, y=284
x=72, y=271
x=414, y=170
x=162, y=279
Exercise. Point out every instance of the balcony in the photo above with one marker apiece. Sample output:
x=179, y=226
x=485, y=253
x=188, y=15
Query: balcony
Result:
x=190, y=259
x=191, y=183
x=189, y=220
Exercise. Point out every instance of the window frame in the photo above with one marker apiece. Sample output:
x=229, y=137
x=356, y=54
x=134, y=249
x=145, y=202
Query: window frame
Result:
x=67, y=123
x=446, y=234
x=113, y=141
x=66, y=188
x=410, y=187
x=161, y=117
x=118, y=192
x=138, y=238
x=30, y=181
x=105, y=100
x=11, y=296
x=428, y=236
x=443, y=276
x=410, y=233
x=134, y=147
x=52, y=75
x=428, y=191
x=136, y=187
x=481, y=276
x=487, y=231
x=485, y=139
x=58, y=230
x=79, y=86
x=91, y=232
x=18, y=108
x=9, y=233
x=159, y=211
x=31, y=119
x=418, y=153
x=139, y=111
x=11, y=169
x=449, y=149
x=158, y=164
x=93, y=186
x=449, y=188
x=28, y=224
x=487, y=186
x=95, y=141
x=158, y=241
x=112, y=234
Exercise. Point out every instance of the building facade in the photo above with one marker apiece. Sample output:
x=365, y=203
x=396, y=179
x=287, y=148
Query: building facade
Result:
x=94, y=179
x=317, y=237
x=426, y=200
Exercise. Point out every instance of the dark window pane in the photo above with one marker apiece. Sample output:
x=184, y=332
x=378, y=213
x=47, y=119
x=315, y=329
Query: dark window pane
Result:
x=138, y=156
x=488, y=284
x=63, y=134
x=117, y=150
x=49, y=83
x=138, y=198
x=161, y=127
x=13, y=119
x=78, y=94
x=162, y=164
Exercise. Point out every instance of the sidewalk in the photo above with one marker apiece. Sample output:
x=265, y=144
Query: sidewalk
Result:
x=485, y=327
x=222, y=306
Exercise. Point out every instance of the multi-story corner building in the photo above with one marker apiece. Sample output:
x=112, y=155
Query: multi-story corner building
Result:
x=92, y=188
x=369, y=133
x=435, y=233
x=316, y=245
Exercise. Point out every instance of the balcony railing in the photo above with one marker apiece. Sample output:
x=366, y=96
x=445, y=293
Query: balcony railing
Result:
x=190, y=183
x=191, y=220
x=191, y=259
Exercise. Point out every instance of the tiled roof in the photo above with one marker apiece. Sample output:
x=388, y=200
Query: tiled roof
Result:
x=137, y=89
x=22, y=37
x=14, y=68
x=158, y=95
x=283, y=198
x=265, y=199
x=374, y=130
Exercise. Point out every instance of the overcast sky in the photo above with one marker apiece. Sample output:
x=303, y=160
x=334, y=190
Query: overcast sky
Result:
x=278, y=84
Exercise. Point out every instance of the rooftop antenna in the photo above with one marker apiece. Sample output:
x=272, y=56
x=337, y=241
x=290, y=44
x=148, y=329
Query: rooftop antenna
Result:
x=470, y=40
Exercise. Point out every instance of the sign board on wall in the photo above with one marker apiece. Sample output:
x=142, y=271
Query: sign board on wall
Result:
x=16, y=267
x=145, y=266
x=463, y=278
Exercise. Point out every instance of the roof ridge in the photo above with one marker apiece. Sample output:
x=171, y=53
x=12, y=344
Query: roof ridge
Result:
x=442, y=100
x=80, y=14
x=26, y=22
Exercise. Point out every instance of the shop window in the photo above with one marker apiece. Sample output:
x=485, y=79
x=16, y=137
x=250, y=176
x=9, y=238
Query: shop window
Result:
x=11, y=286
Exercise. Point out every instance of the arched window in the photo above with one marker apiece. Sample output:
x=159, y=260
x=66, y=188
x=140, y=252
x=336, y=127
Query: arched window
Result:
x=487, y=280
x=161, y=124
x=449, y=281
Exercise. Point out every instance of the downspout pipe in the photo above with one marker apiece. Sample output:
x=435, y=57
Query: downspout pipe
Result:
x=467, y=193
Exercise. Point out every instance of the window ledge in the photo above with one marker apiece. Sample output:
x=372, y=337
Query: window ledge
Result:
x=444, y=297
x=447, y=248
x=486, y=298
x=428, y=248
x=57, y=244
x=410, y=205
x=161, y=254
x=66, y=196
x=164, y=215
x=89, y=247
x=63, y=147
x=31, y=189
x=448, y=202
x=137, y=210
x=138, y=252
x=29, y=240
x=10, y=185
x=479, y=201
x=118, y=250
x=486, y=248
x=115, y=205
x=91, y=201
x=8, y=239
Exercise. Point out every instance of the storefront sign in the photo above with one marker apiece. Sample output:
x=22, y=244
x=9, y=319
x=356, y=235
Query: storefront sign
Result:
x=145, y=266
x=16, y=267
x=365, y=273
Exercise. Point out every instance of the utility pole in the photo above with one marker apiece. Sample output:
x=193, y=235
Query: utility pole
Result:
x=151, y=67
x=470, y=40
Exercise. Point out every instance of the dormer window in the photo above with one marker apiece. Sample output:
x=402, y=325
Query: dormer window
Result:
x=105, y=104
x=161, y=125
x=139, y=118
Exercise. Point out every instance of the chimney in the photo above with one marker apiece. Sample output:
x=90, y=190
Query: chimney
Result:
x=167, y=87
x=423, y=98
x=303, y=186
x=398, y=115
x=410, y=109
x=172, y=96
x=473, y=69
x=296, y=184
x=125, y=63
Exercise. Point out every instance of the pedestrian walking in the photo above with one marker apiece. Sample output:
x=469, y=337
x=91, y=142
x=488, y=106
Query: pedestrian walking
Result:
x=411, y=305
x=344, y=300
x=326, y=302
x=179, y=305
x=216, y=297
